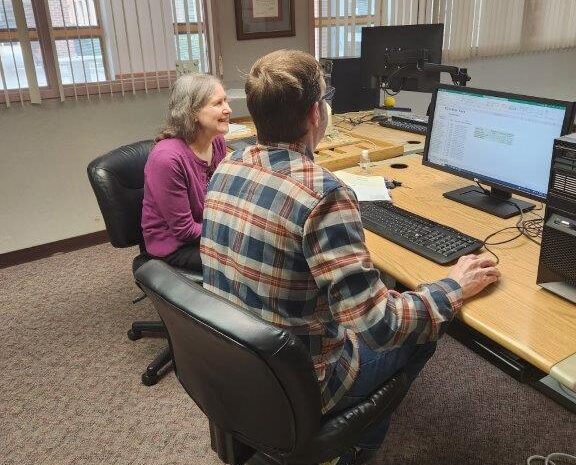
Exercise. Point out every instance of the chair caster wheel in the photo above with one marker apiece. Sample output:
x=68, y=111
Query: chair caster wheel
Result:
x=134, y=335
x=149, y=380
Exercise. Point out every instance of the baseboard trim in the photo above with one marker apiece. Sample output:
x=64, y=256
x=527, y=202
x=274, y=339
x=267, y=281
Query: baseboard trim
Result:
x=46, y=250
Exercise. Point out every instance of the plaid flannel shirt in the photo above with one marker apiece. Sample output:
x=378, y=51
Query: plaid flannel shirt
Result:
x=283, y=238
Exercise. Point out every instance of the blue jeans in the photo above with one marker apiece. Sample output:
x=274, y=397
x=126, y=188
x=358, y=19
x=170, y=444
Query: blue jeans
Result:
x=375, y=369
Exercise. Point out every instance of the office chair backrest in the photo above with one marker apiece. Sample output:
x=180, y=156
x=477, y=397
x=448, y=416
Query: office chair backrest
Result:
x=250, y=378
x=117, y=179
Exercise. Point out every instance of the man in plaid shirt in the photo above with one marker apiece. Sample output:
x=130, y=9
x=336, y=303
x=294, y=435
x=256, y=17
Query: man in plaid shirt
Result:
x=283, y=238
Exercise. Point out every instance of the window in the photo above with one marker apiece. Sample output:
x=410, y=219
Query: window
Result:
x=338, y=26
x=78, y=38
x=188, y=34
x=72, y=48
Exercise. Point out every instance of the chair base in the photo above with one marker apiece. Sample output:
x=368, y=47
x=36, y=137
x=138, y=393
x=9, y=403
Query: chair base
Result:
x=159, y=366
x=149, y=327
x=163, y=361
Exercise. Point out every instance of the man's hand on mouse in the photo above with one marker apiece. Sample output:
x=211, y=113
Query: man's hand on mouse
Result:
x=474, y=273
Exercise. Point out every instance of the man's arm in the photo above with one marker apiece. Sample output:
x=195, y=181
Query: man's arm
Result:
x=333, y=244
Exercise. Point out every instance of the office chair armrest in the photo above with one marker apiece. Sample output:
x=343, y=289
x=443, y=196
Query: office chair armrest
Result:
x=342, y=430
x=194, y=276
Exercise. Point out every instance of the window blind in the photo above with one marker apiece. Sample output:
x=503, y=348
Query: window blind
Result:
x=338, y=23
x=549, y=25
x=472, y=28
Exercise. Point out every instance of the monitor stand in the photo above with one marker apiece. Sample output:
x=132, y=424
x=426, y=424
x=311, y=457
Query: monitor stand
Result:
x=499, y=203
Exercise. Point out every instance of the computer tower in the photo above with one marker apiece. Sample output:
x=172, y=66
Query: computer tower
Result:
x=345, y=74
x=557, y=265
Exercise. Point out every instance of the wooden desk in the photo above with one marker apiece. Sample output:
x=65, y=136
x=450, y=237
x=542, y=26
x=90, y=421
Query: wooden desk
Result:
x=412, y=143
x=341, y=149
x=516, y=313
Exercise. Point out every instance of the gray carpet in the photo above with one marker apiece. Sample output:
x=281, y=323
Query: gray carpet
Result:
x=70, y=389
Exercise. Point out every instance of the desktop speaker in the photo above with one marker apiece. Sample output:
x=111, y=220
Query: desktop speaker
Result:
x=557, y=265
x=345, y=75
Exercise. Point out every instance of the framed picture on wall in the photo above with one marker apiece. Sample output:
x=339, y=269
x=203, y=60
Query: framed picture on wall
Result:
x=260, y=19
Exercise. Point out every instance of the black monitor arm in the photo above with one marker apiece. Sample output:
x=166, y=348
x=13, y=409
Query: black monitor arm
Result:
x=460, y=76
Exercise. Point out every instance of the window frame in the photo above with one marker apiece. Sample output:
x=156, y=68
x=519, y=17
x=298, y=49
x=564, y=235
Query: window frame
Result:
x=185, y=29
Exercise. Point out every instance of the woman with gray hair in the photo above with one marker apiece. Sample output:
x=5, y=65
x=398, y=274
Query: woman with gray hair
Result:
x=179, y=167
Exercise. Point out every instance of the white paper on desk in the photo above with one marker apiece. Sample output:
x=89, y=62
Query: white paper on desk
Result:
x=234, y=127
x=366, y=188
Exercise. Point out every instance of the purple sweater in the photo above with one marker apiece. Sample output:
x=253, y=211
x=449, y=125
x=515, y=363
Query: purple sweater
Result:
x=175, y=183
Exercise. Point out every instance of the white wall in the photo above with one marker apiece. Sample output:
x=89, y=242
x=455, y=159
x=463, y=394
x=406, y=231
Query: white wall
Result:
x=238, y=56
x=44, y=150
x=550, y=75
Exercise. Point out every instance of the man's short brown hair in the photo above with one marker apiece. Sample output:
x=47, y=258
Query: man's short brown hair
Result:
x=280, y=90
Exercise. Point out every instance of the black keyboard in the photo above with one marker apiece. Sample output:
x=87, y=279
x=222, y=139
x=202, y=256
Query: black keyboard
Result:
x=408, y=126
x=432, y=240
x=241, y=144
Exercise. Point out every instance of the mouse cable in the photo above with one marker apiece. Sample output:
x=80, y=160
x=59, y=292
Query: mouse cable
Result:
x=352, y=120
x=564, y=458
x=529, y=228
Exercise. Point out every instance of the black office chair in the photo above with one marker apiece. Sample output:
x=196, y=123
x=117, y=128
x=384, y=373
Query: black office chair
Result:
x=255, y=382
x=117, y=179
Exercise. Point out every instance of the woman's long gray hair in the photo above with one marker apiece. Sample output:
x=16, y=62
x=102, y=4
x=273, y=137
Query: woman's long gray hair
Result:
x=189, y=94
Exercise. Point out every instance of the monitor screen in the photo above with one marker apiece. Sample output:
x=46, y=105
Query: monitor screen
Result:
x=391, y=54
x=499, y=139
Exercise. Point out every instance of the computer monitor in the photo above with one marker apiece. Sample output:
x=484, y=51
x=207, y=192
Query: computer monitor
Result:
x=392, y=56
x=499, y=139
x=344, y=74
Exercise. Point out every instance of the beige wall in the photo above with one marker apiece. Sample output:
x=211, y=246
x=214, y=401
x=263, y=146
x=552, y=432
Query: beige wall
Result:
x=239, y=55
x=44, y=191
x=44, y=150
x=550, y=75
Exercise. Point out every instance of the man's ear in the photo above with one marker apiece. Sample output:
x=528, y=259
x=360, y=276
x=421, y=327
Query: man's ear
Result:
x=314, y=115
